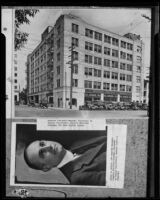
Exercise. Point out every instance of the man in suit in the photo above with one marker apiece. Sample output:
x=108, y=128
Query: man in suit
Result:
x=83, y=164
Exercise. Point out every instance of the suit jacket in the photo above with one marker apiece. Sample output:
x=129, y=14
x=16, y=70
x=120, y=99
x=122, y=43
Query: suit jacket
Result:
x=90, y=167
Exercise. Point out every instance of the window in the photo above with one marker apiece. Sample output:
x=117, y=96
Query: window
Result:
x=98, y=48
x=107, y=62
x=107, y=51
x=129, y=67
x=129, y=46
x=98, y=36
x=15, y=62
x=123, y=44
x=123, y=55
x=114, y=75
x=15, y=74
x=139, y=69
x=122, y=66
x=15, y=87
x=122, y=88
x=75, y=83
x=129, y=57
x=88, y=58
x=97, y=85
x=138, y=79
x=58, y=44
x=88, y=33
x=129, y=78
x=114, y=53
x=106, y=74
x=75, y=42
x=58, y=70
x=114, y=86
x=58, y=82
x=107, y=39
x=75, y=55
x=106, y=86
x=97, y=72
x=139, y=49
x=15, y=68
x=75, y=68
x=114, y=64
x=58, y=56
x=75, y=28
x=128, y=88
x=15, y=81
x=88, y=71
x=139, y=59
x=89, y=46
x=138, y=89
x=58, y=30
x=97, y=61
x=115, y=41
x=88, y=84
x=122, y=77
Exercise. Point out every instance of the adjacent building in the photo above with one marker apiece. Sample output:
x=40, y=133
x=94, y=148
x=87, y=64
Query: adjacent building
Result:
x=107, y=66
x=15, y=79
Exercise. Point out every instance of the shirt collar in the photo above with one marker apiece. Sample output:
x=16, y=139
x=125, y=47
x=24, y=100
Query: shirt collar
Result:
x=67, y=158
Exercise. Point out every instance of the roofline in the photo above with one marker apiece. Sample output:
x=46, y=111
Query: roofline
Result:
x=80, y=19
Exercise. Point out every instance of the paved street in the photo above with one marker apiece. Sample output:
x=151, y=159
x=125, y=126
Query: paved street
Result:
x=25, y=111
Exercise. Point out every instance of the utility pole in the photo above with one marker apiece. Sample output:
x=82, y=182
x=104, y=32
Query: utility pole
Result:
x=72, y=59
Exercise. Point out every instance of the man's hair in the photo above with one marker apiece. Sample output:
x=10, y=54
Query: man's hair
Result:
x=29, y=163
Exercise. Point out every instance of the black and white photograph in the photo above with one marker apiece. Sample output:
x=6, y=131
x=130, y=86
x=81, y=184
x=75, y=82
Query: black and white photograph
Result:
x=80, y=106
x=71, y=60
x=60, y=157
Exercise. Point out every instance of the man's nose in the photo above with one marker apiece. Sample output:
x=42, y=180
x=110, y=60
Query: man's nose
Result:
x=46, y=148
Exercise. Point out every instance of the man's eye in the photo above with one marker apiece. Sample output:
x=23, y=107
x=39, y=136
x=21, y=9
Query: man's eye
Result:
x=41, y=144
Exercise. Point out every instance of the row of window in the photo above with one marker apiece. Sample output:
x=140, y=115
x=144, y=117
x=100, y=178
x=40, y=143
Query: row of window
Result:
x=98, y=36
x=40, y=50
x=97, y=85
x=107, y=86
x=107, y=62
x=107, y=74
x=43, y=87
x=107, y=51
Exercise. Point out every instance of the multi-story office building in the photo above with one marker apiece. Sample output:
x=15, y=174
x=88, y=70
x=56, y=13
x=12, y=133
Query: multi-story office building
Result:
x=107, y=66
x=40, y=70
x=15, y=79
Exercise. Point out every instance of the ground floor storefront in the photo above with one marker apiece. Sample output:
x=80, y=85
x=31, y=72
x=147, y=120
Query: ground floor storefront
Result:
x=108, y=96
x=61, y=98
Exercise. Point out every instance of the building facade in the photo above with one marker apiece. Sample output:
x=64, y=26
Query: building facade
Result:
x=146, y=91
x=15, y=79
x=106, y=66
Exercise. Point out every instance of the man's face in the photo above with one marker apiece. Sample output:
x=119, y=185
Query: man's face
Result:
x=47, y=154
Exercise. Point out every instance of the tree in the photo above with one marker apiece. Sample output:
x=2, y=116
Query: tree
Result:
x=23, y=96
x=21, y=17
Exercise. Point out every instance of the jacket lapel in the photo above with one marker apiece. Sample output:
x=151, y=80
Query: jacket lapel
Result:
x=86, y=158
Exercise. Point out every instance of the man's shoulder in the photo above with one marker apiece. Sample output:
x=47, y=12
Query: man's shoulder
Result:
x=89, y=142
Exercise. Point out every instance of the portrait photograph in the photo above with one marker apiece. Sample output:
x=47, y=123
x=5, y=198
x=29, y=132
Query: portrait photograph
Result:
x=59, y=157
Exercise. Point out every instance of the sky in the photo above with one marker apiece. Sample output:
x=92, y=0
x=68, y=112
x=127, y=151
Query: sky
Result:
x=117, y=20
